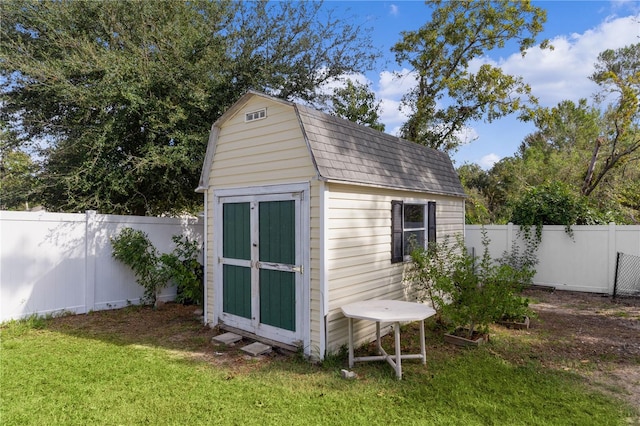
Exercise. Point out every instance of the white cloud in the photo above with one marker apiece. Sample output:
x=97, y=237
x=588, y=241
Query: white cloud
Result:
x=393, y=115
x=467, y=135
x=487, y=161
x=562, y=73
x=554, y=75
x=626, y=4
x=394, y=84
x=393, y=10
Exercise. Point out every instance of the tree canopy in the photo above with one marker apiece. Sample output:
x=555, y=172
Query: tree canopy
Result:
x=590, y=151
x=121, y=95
x=356, y=102
x=618, y=74
x=18, y=180
x=449, y=94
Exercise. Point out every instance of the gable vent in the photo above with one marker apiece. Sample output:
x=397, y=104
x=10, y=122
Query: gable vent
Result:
x=255, y=115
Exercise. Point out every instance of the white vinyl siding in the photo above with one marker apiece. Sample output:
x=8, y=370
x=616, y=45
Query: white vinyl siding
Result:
x=261, y=152
x=359, y=249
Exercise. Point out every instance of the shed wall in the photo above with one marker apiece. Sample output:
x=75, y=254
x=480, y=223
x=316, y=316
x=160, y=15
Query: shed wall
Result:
x=265, y=152
x=359, y=250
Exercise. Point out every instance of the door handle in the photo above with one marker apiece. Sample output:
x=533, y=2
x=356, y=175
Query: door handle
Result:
x=278, y=266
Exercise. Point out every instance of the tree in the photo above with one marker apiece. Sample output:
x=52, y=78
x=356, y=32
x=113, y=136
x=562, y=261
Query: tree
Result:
x=18, y=180
x=559, y=149
x=124, y=93
x=18, y=174
x=589, y=149
x=448, y=94
x=491, y=193
x=475, y=182
x=594, y=149
x=356, y=102
x=618, y=74
x=548, y=204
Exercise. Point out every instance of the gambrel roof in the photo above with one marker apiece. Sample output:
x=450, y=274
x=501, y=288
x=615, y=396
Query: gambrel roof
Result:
x=344, y=151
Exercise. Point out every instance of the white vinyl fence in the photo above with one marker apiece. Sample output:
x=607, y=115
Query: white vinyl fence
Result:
x=584, y=262
x=53, y=262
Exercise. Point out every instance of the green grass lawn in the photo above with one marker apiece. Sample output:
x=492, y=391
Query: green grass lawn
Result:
x=51, y=377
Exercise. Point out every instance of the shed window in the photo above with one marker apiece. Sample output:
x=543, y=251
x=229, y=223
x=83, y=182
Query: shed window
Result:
x=256, y=115
x=412, y=226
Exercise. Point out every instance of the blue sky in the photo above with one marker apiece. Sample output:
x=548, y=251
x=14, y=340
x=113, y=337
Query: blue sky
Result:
x=578, y=30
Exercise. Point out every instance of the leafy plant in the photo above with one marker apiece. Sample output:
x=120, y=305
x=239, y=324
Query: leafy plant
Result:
x=522, y=265
x=154, y=271
x=466, y=291
x=471, y=305
x=185, y=270
x=523, y=261
x=547, y=204
x=430, y=274
x=133, y=248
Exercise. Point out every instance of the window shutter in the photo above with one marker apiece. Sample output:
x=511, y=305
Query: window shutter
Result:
x=396, y=232
x=431, y=222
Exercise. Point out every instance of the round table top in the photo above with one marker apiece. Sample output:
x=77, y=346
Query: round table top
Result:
x=387, y=310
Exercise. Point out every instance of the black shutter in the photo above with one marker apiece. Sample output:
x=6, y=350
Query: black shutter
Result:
x=431, y=222
x=397, y=254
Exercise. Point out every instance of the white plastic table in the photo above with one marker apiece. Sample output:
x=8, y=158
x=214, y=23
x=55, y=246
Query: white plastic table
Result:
x=393, y=311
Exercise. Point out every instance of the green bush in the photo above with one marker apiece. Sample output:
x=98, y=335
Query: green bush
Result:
x=466, y=291
x=430, y=275
x=133, y=248
x=185, y=270
x=523, y=263
x=547, y=204
x=153, y=271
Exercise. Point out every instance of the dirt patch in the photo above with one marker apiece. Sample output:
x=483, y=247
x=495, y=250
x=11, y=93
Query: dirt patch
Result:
x=591, y=335
x=171, y=326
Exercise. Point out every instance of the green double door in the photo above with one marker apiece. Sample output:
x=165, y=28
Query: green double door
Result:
x=261, y=269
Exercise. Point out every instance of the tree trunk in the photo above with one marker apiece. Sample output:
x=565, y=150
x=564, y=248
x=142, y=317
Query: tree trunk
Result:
x=592, y=166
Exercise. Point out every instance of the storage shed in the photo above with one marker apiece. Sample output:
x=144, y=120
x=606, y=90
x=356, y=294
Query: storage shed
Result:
x=306, y=212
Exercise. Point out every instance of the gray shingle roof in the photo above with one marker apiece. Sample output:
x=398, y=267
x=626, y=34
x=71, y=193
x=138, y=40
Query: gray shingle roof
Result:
x=346, y=151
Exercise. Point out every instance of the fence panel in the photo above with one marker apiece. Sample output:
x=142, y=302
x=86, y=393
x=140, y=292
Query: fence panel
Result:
x=52, y=262
x=43, y=266
x=627, y=282
x=584, y=262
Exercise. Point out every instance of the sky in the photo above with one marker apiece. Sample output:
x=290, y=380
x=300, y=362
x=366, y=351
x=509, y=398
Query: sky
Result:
x=579, y=30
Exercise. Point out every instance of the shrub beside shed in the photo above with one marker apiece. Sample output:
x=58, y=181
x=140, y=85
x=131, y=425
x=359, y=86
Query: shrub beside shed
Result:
x=306, y=212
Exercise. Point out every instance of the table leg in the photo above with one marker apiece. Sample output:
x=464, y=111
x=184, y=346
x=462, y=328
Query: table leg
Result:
x=378, y=341
x=423, y=349
x=398, y=354
x=350, y=330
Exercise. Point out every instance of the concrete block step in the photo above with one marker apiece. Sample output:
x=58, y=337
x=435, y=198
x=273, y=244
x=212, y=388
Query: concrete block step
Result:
x=256, y=349
x=228, y=339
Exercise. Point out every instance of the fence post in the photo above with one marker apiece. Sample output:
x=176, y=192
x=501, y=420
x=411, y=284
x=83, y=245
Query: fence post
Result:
x=90, y=261
x=612, y=254
x=509, y=237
